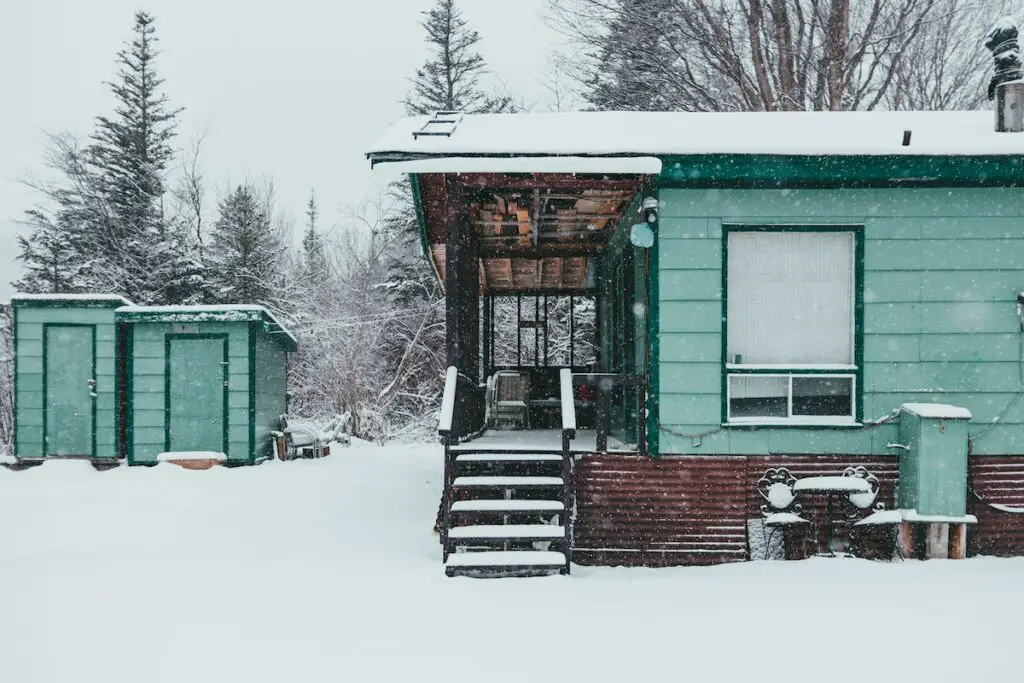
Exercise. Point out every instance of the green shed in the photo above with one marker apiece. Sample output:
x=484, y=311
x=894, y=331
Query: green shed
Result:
x=203, y=379
x=66, y=387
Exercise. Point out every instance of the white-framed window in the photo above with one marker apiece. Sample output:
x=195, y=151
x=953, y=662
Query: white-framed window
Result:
x=791, y=325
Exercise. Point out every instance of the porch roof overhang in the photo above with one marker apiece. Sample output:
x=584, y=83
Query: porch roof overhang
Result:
x=534, y=232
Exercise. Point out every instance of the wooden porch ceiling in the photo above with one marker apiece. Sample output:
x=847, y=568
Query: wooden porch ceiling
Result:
x=535, y=231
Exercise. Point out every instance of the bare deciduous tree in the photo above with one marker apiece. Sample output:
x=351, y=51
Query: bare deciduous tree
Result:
x=769, y=55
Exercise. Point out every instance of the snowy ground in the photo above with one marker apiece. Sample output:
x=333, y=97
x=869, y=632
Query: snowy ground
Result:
x=328, y=571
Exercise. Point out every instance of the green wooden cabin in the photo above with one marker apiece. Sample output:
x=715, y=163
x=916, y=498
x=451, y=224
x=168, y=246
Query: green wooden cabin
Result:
x=782, y=282
x=65, y=375
x=203, y=379
x=99, y=378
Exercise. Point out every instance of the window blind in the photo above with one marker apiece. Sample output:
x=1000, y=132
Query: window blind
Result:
x=790, y=298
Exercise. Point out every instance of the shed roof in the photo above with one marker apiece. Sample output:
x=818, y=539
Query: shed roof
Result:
x=221, y=313
x=95, y=300
x=632, y=134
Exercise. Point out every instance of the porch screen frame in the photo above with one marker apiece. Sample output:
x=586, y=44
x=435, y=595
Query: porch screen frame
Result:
x=854, y=370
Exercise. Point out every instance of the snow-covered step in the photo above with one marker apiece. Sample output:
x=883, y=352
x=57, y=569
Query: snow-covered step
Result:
x=506, y=482
x=507, y=559
x=507, y=506
x=508, y=457
x=501, y=532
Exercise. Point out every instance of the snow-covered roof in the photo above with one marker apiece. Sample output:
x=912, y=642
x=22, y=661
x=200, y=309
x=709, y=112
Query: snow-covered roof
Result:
x=534, y=164
x=70, y=298
x=207, y=313
x=939, y=411
x=223, y=308
x=635, y=134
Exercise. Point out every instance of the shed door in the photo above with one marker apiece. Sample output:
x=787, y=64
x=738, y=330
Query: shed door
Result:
x=69, y=361
x=196, y=394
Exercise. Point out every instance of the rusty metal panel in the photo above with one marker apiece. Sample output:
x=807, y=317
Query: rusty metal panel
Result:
x=996, y=497
x=688, y=510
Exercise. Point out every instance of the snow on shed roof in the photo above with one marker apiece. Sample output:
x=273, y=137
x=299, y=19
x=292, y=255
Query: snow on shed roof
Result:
x=607, y=134
x=214, y=313
x=82, y=298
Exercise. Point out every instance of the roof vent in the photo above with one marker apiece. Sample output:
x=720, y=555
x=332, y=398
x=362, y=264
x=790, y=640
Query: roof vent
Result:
x=442, y=123
x=1007, y=84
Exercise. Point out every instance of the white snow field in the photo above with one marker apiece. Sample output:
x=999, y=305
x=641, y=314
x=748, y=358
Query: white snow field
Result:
x=329, y=571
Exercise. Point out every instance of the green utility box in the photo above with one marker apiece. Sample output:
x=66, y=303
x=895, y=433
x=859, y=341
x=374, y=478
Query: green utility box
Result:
x=65, y=376
x=204, y=379
x=933, y=459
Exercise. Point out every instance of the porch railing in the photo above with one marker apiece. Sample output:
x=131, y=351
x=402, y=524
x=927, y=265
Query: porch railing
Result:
x=568, y=434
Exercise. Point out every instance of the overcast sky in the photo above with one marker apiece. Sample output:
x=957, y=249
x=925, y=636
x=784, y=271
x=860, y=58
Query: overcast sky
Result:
x=293, y=91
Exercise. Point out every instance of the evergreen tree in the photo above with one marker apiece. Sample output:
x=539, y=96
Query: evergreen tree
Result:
x=59, y=255
x=312, y=241
x=245, y=250
x=450, y=78
x=627, y=71
x=51, y=257
x=130, y=153
x=413, y=343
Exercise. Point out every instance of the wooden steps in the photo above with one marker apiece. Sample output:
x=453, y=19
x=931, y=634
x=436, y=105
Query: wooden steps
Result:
x=507, y=532
x=506, y=482
x=508, y=457
x=503, y=506
x=497, y=563
x=505, y=513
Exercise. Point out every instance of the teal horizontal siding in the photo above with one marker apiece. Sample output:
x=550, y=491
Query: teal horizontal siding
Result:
x=807, y=206
x=942, y=268
x=149, y=384
x=28, y=390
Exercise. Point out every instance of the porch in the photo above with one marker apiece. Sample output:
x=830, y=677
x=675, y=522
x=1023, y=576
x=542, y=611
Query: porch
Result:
x=540, y=440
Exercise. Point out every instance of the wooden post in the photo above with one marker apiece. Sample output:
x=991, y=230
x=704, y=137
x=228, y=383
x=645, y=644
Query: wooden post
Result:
x=488, y=335
x=957, y=541
x=462, y=291
x=905, y=540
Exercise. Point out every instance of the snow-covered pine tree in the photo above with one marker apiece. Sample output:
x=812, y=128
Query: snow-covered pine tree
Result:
x=52, y=256
x=245, y=250
x=450, y=78
x=59, y=254
x=130, y=152
x=313, y=241
x=627, y=72
x=413, y=345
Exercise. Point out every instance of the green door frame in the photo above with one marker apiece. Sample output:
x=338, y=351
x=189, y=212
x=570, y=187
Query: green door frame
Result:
x=168, y=338
x=46, y=398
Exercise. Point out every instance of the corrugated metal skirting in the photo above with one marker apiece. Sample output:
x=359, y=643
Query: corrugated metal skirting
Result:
x=693, y=510
x=996, y=496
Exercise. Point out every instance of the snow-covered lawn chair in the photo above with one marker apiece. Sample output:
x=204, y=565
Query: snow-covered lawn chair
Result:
x=508, y=399
x=872, y=528
x=302, y=438
x=780, y=511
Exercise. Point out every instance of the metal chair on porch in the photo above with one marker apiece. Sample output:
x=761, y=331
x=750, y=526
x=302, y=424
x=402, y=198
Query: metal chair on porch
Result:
x=508, y=400
x=780, y=511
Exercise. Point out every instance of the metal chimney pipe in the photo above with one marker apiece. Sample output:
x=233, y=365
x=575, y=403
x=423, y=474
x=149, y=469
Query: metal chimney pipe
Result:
x=1010, y=107
x=1007, y=84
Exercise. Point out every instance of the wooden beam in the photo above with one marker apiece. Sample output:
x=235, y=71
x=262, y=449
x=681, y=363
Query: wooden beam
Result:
x=957, y=541
x=550, y=181
x=540, y=251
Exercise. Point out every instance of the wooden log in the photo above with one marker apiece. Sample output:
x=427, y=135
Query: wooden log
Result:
x=905, y=540
x=957, y=541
